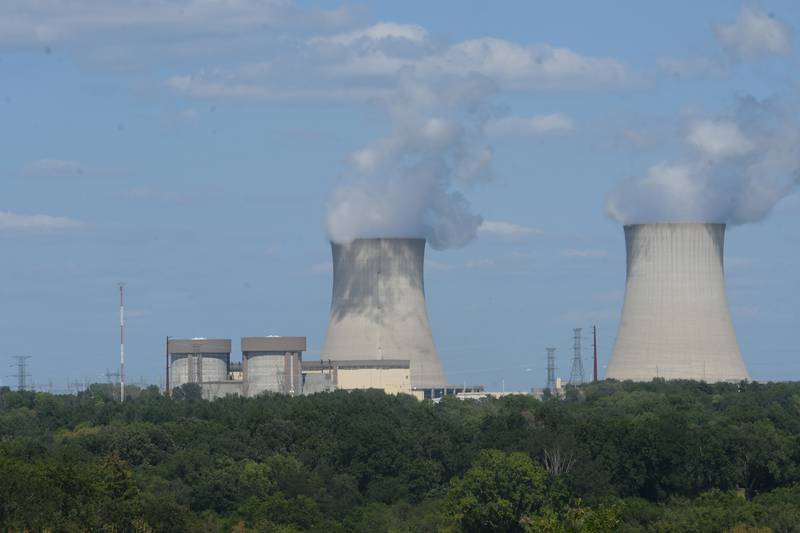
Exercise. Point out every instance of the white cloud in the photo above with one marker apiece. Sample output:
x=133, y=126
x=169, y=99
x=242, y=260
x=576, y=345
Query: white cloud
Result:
x=372, y=62
x=754, y=33
x=53, y=168
x=719, y=139
x=376, y=32
x=15, y=223
x=537, y=125
x=585, y=253
x=525, y=67
x=51, y=21
x=506, y=229
x=724, y=175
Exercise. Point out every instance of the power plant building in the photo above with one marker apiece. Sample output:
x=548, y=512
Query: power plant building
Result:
x=391, y=376
x=272, y=364
x=198, y=360
x=269, y=364
x=275, y=365
x=378, y=310
x=675, y=319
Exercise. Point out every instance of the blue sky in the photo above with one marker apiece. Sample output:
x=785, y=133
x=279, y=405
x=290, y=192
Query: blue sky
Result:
x=190, y=148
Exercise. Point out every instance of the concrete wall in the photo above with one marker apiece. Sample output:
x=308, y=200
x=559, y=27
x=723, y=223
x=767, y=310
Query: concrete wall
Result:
x=273, y=344
x=675, y=321
x=378, y=308
x=316, y=382
x=198, y=360
x=220, y=389
x=390, y=380
x=198, y=368
x=272, y=372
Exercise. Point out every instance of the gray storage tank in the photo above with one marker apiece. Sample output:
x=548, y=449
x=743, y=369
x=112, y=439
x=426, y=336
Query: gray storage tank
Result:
x=198, y=360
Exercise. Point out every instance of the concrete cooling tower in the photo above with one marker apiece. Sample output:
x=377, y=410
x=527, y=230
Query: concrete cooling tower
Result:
x=378, y=309
x=675, y=320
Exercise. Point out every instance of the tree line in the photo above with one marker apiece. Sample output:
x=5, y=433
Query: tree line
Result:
x=659, y=456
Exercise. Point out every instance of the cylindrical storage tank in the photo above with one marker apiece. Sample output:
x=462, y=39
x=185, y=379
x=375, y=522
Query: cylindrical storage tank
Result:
x=272, y=364
x=198, y=360
x=675, y=320
x=378, y=308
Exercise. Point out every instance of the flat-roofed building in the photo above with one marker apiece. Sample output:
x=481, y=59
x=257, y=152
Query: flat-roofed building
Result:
x=393, y=376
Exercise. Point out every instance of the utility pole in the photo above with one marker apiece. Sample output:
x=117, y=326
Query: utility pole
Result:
x=576, y=374
x=594, y=345
x=121, y=342
x=21, y=374
x=551, y=370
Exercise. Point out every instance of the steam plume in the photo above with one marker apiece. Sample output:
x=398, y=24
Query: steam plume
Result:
x=410, y=183
x=735, y=170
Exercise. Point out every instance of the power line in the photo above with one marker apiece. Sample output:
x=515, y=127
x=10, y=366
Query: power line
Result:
x=594, y=347
x=22, y=375
x=551, y=370
x=121, y=342
x=576, y=374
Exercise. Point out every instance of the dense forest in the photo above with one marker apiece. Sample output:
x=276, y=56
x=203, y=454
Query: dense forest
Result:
x=679, y=456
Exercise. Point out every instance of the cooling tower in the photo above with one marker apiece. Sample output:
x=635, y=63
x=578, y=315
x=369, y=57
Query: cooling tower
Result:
x=378, y=309
x=675, y=320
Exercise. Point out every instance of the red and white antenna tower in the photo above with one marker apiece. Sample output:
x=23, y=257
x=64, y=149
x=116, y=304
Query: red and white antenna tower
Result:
x=121, y=342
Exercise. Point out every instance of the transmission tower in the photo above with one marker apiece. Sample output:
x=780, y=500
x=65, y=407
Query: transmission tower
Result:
x=121, y=342
x=551, y=370
x=111, y=377
x=22, y=375
x=576, y=374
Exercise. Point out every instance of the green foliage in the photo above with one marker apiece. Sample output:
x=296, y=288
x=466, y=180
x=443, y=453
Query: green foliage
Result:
x=497, y=492
x=677, y=456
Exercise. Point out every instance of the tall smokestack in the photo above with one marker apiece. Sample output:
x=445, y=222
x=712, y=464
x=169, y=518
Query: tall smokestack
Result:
x=675, y=320
x=378, y=307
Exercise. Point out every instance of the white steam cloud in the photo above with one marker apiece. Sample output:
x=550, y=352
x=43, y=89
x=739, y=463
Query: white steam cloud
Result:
x=410, y=183
x=735, y=170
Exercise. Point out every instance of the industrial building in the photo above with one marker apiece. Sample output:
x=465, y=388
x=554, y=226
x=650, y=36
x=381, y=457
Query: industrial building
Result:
x=269, y=364
x=392, y=376
x=675, y=320
x=272, y=364
x=378, y=310
x=275, y=364
x=198, y=360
